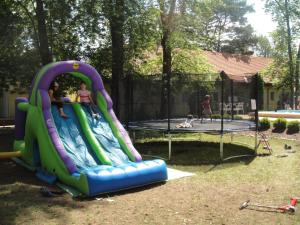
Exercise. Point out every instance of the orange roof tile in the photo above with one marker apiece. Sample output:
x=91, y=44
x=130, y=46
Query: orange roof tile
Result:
x=237, y=67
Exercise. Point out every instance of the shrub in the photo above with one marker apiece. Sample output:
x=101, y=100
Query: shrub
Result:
x=264, y=124
x=279, y=124
x=293, y=127
x=216, y=116
x=227, y=116
x=236, y=117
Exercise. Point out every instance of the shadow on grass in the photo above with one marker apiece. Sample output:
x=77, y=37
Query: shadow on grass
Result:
x=21, y=200
x=292, y=131
x=11, y=173
x=191, y=153
x=278, y=130
x=122, y=192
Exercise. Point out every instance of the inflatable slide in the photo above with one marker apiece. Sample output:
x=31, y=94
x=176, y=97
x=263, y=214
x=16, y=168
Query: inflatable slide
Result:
x=92, y=155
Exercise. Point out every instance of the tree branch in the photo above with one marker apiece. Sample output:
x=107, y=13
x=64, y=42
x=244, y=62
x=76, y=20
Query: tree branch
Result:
x=28, y=14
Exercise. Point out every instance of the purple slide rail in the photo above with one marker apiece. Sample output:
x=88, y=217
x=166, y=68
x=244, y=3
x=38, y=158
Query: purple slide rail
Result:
x=42, y=83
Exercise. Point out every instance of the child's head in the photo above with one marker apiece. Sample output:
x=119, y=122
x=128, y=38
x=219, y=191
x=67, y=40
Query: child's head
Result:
x=207, y=97
x=190, y=116
x=54, y=85
x=82, y=85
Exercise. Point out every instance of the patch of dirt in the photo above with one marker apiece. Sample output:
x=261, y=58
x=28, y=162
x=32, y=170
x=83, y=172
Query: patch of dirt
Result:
x=186, y=201
x=211, y=197
x=279, y=135
x=283, y=135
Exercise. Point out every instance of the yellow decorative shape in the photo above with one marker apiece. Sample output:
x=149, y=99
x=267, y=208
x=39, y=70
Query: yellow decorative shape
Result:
x=75, y=66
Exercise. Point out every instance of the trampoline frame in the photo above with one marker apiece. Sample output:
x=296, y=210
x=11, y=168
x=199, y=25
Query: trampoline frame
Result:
x=222, y=131
x=136, y=126
x=183, y=130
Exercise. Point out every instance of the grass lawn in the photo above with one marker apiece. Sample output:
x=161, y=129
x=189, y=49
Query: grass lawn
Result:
x=212, y=196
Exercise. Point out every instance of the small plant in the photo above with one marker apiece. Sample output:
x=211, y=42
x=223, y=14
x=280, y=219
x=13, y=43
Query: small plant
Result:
x=216, y=116
x=227, y=116
x=236, y=117
x=279, y=125
x=264, y=124
x=293, y=127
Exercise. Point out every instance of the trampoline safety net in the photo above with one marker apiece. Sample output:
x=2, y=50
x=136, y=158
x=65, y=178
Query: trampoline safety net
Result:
x=154, y=100
x=199, y=103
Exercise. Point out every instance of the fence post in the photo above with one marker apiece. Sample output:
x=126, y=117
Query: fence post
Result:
x=231, y=94
x=222, y=74
x=168, y=99
x=256, y=109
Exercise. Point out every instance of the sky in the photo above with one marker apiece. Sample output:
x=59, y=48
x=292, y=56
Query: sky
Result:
x=260, y=20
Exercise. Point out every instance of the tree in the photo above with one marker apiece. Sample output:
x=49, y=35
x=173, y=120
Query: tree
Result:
x=44, y=30
x=286, y=13
x=113, y=35
x=167, y=11
x=297, y=75
x=42, y=33
x=241, y=41
x=15, y=54
x=264, y=47
x=212, y=22
x=184, y=61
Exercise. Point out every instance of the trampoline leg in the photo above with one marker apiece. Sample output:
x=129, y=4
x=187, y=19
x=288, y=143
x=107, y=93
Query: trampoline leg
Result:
x=221, y=148
x=256, y=142
x=231, y=137
x=170, y=145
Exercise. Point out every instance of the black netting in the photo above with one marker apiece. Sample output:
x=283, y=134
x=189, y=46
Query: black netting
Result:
x=155, y=98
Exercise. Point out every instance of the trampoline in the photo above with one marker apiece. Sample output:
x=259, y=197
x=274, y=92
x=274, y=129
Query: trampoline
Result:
x=206, y=126
x=216, y=126
x=172, y=105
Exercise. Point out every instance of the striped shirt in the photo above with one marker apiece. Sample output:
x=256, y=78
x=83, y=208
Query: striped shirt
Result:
x=84, y=96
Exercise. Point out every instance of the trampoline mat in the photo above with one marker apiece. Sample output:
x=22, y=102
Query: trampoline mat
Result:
x=204, y=127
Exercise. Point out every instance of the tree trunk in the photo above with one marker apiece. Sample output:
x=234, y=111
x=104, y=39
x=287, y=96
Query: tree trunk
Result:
x=167, y=72
x=297, y=76
x=117, y=38
x=290, y=53
x=167, y=27
x=42, y=33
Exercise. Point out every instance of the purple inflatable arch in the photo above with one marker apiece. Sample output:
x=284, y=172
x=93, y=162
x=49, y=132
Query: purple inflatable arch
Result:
x=44, y=81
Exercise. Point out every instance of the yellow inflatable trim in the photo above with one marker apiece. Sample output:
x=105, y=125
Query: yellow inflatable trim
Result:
x=6, y=155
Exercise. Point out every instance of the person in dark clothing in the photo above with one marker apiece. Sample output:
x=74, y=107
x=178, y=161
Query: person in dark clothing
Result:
x=56, y=98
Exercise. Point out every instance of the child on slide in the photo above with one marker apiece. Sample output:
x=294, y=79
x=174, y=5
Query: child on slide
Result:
x=57, y=99
x=86, y=100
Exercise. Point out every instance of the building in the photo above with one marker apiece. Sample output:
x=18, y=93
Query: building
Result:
x=7, y=101
x=240, y=68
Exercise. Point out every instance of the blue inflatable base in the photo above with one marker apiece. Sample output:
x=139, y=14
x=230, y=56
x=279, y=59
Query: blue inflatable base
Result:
x=104, y=179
